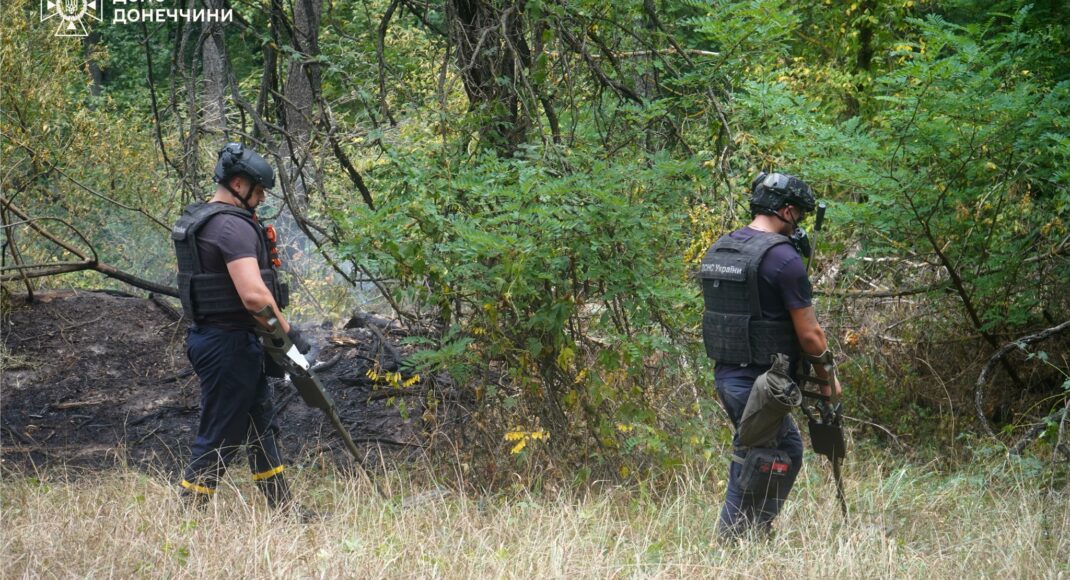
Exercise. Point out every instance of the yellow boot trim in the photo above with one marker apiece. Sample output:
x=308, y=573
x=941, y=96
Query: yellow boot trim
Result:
x=197, y=488
x=268, y=473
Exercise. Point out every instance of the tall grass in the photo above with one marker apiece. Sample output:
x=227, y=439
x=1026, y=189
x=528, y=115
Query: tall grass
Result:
x=908, y=521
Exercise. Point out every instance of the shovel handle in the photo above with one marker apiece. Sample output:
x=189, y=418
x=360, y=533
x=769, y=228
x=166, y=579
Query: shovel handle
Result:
x=268, y=315
x=820, y=219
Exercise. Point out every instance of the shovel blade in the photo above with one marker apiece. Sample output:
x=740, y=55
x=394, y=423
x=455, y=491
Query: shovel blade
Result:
x=311, y=390
x=828, y=440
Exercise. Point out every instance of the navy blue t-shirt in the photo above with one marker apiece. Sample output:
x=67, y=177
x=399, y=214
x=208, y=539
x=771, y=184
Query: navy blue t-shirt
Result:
x=782, y=286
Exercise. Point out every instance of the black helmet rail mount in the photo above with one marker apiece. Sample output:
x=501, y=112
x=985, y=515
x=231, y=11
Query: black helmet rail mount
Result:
x=235, y=159
x=772, y=191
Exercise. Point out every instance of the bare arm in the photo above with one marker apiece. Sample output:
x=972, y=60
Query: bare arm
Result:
x=255, y=295
x=813, y=342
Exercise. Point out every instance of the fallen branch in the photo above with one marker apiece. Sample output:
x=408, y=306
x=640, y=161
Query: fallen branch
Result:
x=881, y=293
x=89, y=261
x=48, y=269
x=24, y=439
x=55, y=268
x=378, y=440
x=132, y=280
x=327, y=364
x=1037, y=429
x=888, y=431
x=979, y=393
x=166, y=308
x=32, y=223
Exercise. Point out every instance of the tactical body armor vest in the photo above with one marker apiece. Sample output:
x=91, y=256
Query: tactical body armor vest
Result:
x=204, y=293
x=734, y=330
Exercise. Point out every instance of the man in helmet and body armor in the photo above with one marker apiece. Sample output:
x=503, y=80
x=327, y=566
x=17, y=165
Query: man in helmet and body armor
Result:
x=757, y=304
x=226, y=272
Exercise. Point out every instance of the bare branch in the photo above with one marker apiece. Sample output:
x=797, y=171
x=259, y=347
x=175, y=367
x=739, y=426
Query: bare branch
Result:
x=90, y=190
x=640, y=54
x=152, y=95
x=597, y=70
x=55, y=268
x=16, y=255
x=979, y=393
x=354, y=175
x=45, y=233
x=87, y=263
x=1037, y=429
x=42, y=270
x=881, y=293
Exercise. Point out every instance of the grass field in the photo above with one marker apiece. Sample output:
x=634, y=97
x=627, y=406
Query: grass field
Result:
x=908, y=521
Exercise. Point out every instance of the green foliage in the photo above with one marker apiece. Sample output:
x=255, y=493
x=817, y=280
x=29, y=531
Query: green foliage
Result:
x=972, y=170
x=564, y=283
x=750, y=36
x=559, y=277
x=553, y=275
x=70, y=156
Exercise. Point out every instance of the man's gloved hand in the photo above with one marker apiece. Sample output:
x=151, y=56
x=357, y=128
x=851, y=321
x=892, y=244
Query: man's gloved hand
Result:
x=303, y=346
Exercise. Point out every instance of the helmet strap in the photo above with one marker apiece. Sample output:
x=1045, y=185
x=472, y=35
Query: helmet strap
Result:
x=798, y=236
x=244, y=200
x=794, y=224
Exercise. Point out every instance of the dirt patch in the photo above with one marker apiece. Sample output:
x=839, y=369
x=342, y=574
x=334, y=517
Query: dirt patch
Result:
x=91, y=379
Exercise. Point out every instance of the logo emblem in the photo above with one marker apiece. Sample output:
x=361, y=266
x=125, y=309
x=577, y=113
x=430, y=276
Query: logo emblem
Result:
x=71, y=14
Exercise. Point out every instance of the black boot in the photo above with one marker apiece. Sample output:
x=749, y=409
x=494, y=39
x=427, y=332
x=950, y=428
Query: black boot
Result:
x=194, y=501
x=276, y=491
x=278, y=495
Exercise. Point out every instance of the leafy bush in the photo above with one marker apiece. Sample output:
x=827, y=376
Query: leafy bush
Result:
x=554, y=292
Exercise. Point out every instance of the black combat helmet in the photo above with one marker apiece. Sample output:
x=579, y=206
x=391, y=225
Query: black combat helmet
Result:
x=235, y=159
x=770, y=192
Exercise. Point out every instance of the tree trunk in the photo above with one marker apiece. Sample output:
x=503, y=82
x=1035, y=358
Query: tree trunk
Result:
x=490, y=46
x=214, y=72
x=301, y=91
x=96, y=75
x=303, y=79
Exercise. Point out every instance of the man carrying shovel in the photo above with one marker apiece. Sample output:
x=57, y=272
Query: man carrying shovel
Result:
x=758, y=325
x=225, y=271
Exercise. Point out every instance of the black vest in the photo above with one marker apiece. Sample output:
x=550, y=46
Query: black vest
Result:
x=733, y=328
x=205, y=293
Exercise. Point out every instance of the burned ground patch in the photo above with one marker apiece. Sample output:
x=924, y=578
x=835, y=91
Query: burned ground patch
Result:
x=91, y=379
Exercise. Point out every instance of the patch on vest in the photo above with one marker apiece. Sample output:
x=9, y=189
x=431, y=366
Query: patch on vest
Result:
x=731, y=268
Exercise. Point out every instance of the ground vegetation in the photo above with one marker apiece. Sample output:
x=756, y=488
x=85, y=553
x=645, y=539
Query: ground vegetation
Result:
x=527, y=186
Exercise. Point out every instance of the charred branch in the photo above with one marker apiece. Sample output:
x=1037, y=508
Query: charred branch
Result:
x=89, y=260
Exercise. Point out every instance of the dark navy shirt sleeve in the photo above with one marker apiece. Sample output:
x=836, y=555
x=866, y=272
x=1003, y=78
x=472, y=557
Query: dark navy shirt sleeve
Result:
x=791, y=278
x=233, y=236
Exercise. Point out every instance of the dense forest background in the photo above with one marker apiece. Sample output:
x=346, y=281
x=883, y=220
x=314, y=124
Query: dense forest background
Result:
x=528, y=186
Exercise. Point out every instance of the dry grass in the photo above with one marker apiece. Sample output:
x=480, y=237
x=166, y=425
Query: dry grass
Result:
x=908, y=522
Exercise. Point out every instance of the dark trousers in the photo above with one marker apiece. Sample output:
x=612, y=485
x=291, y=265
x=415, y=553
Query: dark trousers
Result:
x=236, y=409
x=750, y=512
